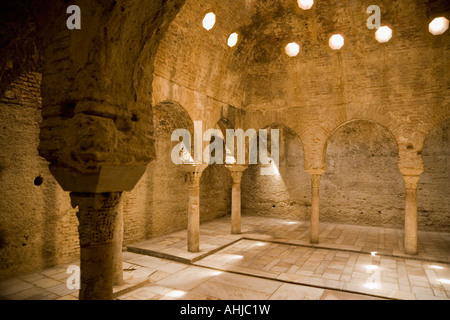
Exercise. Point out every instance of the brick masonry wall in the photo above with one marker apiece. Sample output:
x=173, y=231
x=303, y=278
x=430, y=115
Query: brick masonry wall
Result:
x=38, y=226
x=433, y=198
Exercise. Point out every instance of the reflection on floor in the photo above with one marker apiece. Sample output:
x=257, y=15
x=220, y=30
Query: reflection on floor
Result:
x=271, y=259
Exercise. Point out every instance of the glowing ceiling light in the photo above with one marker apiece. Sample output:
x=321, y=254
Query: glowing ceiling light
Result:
x=438, y=26
x=336, y=42
x=445, y=281
x=209, y=21
x=373, y=253
x=233, y=39
x=305, y=4
x=383, y=34
x=292, y=49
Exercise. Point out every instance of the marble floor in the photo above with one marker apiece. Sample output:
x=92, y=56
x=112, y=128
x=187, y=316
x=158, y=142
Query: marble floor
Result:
x=271, y=260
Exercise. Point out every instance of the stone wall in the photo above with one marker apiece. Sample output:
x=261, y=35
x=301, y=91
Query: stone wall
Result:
x=215, y=193
x=38, y=227
x=433, y=198
x=362, y=184
x=286, y=193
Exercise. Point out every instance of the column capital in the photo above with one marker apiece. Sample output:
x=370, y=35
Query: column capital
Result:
x=236, y=171
x=194, y=168
x=410, y=171
x=236, y=167
x=195, y=172
x=316, y=175
x=96, y=214
x=411, y=181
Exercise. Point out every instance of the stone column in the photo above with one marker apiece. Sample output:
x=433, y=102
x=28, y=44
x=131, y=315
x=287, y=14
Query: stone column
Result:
x=315, y=199
x=97, y=216
x=194, y=174
x=118, y=245
x=411, y=182
x=236, y=173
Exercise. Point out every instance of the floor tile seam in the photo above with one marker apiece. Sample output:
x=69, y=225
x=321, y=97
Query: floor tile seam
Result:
x=417, y=258
x=294, y=283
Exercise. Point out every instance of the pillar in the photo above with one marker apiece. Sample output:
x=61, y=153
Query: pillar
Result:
x=194, y=174
x=97, y=216
x=315, y=199
x=411, y=182
x=118, y=246
x=236, y=174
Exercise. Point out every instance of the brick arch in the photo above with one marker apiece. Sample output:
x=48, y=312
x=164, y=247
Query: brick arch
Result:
x=175, y=112
x=333, y=132
x=341, y=125
x=179, y=108
x=434, y=125
x=317, y=133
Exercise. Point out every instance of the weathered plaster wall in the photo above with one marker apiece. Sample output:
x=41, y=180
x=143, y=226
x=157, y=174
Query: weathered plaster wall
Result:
x=287, y=192
x=433, y=197
x=215, y=193
x=362, y=184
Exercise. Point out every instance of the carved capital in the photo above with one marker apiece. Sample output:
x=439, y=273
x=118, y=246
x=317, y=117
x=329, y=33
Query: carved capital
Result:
x=411, y=182
x=194, y=172
x=315, y=178
x=236, y=172
x=96, y=214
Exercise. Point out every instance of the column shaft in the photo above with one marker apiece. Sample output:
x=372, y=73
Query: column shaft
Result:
x=315, y=187
x=236, y=171
x=194, y=172
x=97, y=215
x=236, y=208
x=411, y=214
x=118, y=243
x=194, y=216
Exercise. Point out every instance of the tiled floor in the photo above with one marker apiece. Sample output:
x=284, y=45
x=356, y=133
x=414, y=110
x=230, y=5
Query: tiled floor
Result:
x=271, y=259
